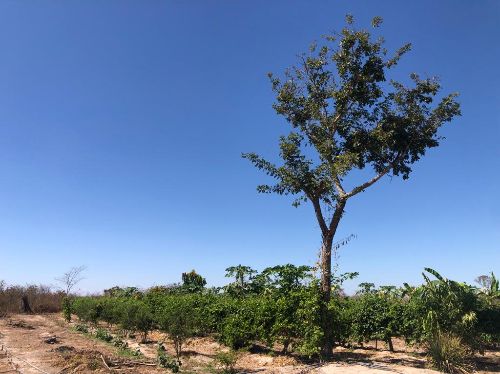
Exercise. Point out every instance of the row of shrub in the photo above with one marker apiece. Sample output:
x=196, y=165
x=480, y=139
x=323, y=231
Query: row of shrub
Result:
x=280, y=306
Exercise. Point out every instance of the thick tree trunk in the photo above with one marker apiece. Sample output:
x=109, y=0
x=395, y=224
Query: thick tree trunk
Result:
x=326, y=279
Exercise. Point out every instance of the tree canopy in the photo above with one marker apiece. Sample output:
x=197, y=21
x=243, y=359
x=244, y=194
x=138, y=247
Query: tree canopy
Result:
x=341, y=105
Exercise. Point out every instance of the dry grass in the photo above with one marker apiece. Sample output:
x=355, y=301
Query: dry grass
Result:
x=42, y=299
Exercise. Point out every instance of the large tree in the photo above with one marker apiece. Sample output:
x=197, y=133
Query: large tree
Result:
x=345, y=115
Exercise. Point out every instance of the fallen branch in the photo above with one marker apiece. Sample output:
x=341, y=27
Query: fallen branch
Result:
x=132, y=363
x=105, y=364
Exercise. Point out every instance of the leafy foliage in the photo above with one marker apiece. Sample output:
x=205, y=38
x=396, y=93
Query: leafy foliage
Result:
x=243, y=283
x=285, y=311
x=178, y=318
x=66, y=308
x=193, y=282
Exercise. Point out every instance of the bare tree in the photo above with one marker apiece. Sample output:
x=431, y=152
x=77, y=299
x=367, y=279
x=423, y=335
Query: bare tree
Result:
x=71, y=278
x=484, y=281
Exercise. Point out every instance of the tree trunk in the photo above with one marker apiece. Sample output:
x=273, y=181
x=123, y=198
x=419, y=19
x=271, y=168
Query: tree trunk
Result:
x=389, y=343
x=326, y=280
x=25, y=305
x=286, y=343
x=326, y=289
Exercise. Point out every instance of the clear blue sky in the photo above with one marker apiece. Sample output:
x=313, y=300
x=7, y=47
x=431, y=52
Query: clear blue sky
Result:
x=122, y=124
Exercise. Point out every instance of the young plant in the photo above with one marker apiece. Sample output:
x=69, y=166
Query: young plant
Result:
x=179, y=319
x=103, y=334
x=165, y=361
x=225, y=362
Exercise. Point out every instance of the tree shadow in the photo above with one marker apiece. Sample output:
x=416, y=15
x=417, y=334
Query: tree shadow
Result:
x=487, y=363
x=380, y=362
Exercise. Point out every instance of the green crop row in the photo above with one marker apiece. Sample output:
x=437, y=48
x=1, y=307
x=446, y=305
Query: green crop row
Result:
x=283, y=308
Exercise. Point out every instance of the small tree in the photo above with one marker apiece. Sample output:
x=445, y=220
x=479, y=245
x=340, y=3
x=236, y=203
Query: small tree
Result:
x=346, y=116
x=178, y=317
x=193, y=282
x=71, y=278
x=243, y=279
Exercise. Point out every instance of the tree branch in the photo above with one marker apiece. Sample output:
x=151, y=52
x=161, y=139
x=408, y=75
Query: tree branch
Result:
x=368, y=183
x=319, y=214
x=338, y=186
x=378, y=176
x=337, y=215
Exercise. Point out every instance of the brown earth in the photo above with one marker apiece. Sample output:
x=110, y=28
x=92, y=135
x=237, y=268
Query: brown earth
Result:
x=24, y=349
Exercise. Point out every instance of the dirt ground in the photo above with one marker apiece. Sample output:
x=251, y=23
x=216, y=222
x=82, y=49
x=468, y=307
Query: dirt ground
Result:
x=23, y=349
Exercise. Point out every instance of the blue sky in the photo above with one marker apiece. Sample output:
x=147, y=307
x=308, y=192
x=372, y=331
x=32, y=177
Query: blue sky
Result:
x=122, y=124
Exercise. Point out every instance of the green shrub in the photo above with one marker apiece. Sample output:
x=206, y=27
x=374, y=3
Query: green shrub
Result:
x=103, y=334
x=376, y=314
x=119, y=343
x=165, y=361
x=82, y=328
x=178, y=317
x=245, y=324
x=282, y=305
x=225, y=362
x=488, y=321
x=88, y=309
x=66, y=309
x=133, y=315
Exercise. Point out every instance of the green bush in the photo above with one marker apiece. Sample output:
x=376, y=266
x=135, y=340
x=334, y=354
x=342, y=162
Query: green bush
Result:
x=246, y=323
x=225, y=362
x=376, y=314
x=82, y=328
x=165, y=361
x=133, y=315
x=66, y=309
x=488, y=324
x=88, y=309
x=103, y=334
x=178, y=317
x=117, y=342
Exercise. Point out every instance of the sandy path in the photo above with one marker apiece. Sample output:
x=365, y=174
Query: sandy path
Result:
x=26, y=348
